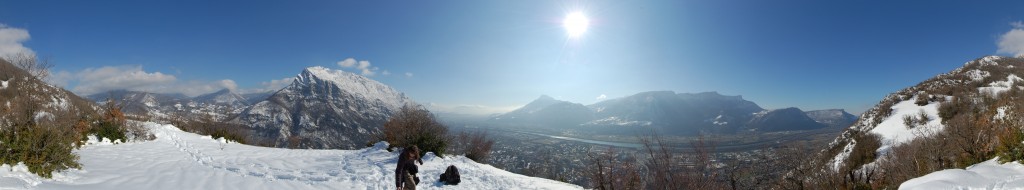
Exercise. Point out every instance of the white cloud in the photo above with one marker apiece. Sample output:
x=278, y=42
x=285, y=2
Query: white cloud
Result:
x=96, y=80
x=408, y=74
x=386, y=73
x=194, y=87
x=364, y=66
x=601, y=97
x=348, y=62
x=133, y=77
x=11, y=41
x=1012, y=42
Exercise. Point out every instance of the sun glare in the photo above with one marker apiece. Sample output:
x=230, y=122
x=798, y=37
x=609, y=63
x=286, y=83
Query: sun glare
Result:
x=575, y=24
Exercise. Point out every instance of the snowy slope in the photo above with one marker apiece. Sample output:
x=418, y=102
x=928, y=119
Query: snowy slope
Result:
x=180, y=160
x=894, y=132
x=886, y=118
x=986, y=175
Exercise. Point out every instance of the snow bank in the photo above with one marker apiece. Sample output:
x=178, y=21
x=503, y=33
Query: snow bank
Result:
x=895, y=132
x=986, y=175
x=997, y=87
x=181, y=160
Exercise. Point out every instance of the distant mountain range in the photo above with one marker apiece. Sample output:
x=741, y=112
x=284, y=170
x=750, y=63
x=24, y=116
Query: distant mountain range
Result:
x=679, y=113
x=220, y=104
x=324, y=108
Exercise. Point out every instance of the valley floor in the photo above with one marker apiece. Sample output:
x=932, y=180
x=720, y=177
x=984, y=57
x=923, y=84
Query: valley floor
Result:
x=181, y=160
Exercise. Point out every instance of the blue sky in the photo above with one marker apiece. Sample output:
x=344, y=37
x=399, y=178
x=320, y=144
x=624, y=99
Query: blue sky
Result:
x=496, y=55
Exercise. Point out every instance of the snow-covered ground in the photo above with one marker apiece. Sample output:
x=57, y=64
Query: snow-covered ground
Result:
x=181, y=160
x=895, y=132
x=986, y=175
x=998, y=87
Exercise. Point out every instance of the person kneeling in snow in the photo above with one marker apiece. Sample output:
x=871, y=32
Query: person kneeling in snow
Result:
x=406, y=169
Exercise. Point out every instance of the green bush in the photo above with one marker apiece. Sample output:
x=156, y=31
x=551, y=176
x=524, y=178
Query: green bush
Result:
x=113, y=123
x=228, y=134
x=1010, y=147
x=111, y=131
x=44, y=149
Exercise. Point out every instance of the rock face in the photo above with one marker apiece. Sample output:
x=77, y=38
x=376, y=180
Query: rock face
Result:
x=787, y=119
x=832, y=117
x=324, y=108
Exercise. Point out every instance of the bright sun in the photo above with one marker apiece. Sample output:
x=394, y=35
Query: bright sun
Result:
x=575, y=24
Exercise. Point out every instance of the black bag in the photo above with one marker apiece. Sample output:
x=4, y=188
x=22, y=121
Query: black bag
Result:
x=451, y=176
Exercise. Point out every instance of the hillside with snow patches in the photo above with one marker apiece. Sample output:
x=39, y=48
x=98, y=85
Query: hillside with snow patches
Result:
x=887, y=120
x=181, y=160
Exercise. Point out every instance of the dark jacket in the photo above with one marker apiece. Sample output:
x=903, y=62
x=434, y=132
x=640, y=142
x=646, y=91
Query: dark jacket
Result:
x=405, y=167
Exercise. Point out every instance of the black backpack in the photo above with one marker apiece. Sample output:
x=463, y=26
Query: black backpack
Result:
x=451, y=176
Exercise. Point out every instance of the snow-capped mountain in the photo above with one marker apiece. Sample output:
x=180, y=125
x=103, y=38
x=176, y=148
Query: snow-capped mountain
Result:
x=832, y=117
x=138, y=102
x=220, y=104
x=324, y=108
x=222, y=97
x=786, y=119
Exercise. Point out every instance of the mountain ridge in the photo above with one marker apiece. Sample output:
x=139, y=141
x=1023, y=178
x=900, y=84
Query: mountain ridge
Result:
x=704, y=111
x=324, y=108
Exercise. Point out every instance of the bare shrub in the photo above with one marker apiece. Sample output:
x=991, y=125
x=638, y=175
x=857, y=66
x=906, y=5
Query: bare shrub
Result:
x=416, y=126
x=922, y=99
x=35, y=66
x=475, y=145
x=610, y=172
x=910, y=121
x=864, y=151
x=137, y=132
x=206, y=125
